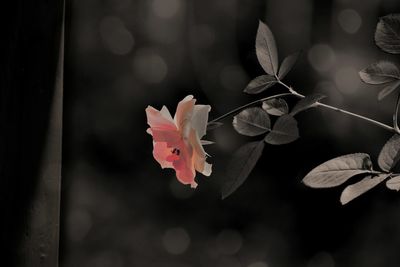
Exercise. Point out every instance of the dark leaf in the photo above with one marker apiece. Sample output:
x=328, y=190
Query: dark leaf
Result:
x=394, y=183
x=355, y=190
x=241, y=165
x=266, y=50
x=287, y=64
x=284, y=131
x=213, y=125
x=380, y=72
x=388, y=89
x=390, y=153
x=306, y=103
x=276, y=106
x=260, y=84
x=387, y=34
x=252, y=122
x=338, y=170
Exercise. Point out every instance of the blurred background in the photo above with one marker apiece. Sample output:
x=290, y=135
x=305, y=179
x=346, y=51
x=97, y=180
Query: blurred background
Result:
x=120, y=209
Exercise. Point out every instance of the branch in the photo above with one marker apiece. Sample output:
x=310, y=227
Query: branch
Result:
x=236, y=110
x=372, y=121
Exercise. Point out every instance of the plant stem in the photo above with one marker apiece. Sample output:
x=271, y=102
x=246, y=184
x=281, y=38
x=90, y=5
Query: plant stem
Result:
x=372, y=121
x=292, y=92
x=236, y=110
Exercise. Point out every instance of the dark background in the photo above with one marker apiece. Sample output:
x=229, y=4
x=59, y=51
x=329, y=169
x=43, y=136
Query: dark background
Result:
x=119, y=208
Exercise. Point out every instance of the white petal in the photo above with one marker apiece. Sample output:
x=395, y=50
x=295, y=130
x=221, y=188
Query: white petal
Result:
x=206, y=142
x=207, y=169
x=183, y=114
x=165, y=112
x=200, y=119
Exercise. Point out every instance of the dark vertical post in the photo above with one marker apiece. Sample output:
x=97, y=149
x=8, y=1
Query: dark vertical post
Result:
x=31, y=97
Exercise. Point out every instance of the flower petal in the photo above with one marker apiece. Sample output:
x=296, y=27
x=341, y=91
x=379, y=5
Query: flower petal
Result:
x=171, y=137
x=183, y=114
x=184, y=166
x=199, y=155
x=161, y=152
x=159, y=120
x=165, y=112
x=200, y=119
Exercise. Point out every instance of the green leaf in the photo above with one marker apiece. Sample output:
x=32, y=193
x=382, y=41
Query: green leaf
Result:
x=380, y=72
x=394, y=183
x=260, y=84
x=306, y=103
x=287, y=65
x=266, y=50
x=387, y=34
x=338, y=170
x=390, y=153
x=388, y=89
x=241, y=165
x=252, y=122
x=276, y=106
x=355, y=190
x=213, y=125
x=285, y=131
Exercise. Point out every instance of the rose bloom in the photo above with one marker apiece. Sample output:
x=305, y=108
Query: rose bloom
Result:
x=176, y=141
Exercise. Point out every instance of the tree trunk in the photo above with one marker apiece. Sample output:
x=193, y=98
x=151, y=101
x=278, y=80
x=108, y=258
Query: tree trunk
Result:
x=31, y=93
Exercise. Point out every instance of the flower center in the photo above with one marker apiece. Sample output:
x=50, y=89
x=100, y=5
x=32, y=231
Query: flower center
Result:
x=176, y=151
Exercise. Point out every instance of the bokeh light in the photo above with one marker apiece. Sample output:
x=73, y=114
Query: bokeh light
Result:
x=115, y=36
x=229, y=242
x=347, y=80
x=176, y=240
x=149, y=66
x=350, y=20
x=322, y=57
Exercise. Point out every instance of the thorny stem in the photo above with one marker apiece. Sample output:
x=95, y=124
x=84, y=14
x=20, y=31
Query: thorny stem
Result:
x=372, y=121
x=395, y=115
x=236, y=110
x=292, y=92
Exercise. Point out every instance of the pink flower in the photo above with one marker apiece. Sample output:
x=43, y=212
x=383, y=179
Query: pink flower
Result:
x=176, y=141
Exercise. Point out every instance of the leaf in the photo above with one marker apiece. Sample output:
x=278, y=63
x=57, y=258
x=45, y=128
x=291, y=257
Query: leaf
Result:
x=388, y=89
x=338, y=170
x=380, y=72
x=285, y=131
x=213, y=125
x=355, y=190
x=390, y=153
x=266, y=50
x=241, y=165
x=252, y=122
x=394, y=183
x=387, y=34
x=260, y=84
x=275, y=106
x=287, y=65
x=306, y=103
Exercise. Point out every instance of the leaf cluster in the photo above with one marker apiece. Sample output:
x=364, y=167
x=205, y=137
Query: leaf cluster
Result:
x=256, y=121
x=275, y=121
